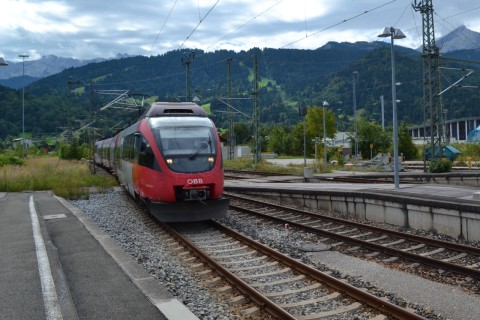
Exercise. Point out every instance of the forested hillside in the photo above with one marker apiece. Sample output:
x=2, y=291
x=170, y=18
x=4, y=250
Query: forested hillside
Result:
x=288, y=79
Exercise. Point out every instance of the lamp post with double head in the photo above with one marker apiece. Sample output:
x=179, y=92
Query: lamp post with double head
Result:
x=23, y=56
x=394, y=34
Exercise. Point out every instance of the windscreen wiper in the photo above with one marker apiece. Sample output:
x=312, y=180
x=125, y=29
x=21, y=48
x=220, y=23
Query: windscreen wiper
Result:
x=195, y=154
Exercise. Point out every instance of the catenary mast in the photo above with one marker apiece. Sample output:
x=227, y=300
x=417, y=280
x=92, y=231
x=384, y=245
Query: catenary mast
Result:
x=433, y=123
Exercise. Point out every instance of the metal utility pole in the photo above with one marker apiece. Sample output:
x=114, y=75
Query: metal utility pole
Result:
x=394, y=34
x=431, y=85
x=256, y=113
x=23, y=56
x=187, y=60
x=69, y=135
x=231, y=126
x=355, y=125
x=382, y=101
x=325, y=161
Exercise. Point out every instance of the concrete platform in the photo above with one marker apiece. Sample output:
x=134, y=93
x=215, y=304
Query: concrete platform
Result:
x=445, y=209
x=447, y=192
x=57, y=264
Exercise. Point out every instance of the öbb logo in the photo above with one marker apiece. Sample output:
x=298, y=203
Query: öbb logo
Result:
x=194, y=181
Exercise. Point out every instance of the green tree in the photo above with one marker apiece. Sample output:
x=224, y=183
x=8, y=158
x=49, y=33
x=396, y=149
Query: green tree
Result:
x=405, y=144
x=296, y=138
x=243, y=134
x=73, y=151
x=371, y=133
x=277, y=140
x=314, y=119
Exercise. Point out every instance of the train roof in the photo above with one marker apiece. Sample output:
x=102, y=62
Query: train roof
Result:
x=175, y=109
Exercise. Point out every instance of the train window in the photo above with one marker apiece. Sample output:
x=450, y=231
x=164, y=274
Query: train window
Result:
x=128, y=148
x=146, y=157
x=117, y=153
x=188, y=144
x=186, y=141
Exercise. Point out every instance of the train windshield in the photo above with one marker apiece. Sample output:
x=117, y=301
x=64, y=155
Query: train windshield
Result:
x=188, y=144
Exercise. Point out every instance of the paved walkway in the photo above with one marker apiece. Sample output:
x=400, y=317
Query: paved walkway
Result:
x=57, y=264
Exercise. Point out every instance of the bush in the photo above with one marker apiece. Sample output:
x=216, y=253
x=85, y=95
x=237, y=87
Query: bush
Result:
x=440, y=165
x=73, y=151
x=10, y=160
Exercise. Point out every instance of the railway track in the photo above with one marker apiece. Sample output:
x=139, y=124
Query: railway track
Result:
x=387, y=245
x=278, y=284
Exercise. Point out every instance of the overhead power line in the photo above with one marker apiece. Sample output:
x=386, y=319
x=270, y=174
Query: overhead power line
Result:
x=246, y=23
x=199, y=23
x=164, y=23
x=339, y=23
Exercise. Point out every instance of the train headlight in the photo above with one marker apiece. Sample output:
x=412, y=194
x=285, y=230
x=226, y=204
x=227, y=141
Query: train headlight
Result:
x=211, y=159
x=169, y=161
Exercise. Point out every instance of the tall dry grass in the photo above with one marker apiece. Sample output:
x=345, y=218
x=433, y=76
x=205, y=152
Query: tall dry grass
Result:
x=68, y=179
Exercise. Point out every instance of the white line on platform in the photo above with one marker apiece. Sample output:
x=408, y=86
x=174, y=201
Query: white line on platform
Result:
x=50, y=298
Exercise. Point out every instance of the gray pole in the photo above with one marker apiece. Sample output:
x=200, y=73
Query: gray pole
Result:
x=186, y=61
x=355, y=73
x=23, y=56
x=231, y=126
x=447, y=128
x=305, y=142
x=394, y=34
x=394, y=105
x=325, y=103
x=256, y=113
x=383, y=112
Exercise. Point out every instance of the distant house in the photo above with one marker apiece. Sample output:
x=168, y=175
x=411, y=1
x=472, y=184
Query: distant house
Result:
x=18, y=143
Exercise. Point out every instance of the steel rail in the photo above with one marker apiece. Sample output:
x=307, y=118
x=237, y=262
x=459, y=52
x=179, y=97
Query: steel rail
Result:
x=412, y=237
x=242, y=286
x=269, y=306
x=353, y=292
x=376, y=247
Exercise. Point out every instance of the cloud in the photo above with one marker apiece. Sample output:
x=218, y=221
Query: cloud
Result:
x=86, y=29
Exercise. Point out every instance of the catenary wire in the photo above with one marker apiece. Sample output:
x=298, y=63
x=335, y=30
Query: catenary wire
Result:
x=337, y=24
x=163, y=26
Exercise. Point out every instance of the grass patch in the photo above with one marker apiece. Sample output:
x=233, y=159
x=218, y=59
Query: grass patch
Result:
x=67, y=179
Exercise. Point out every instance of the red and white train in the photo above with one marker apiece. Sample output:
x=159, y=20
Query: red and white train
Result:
x=171, y=160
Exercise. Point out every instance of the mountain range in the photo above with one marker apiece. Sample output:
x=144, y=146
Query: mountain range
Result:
x=12, y=76
x=288, y=80
x=461, y=38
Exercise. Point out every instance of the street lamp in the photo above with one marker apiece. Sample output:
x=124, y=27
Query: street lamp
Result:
x=394, y=34
x=23, y=56
x=355, y=76
x=325, y=103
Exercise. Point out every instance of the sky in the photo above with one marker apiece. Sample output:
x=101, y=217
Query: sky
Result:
x=88, y=29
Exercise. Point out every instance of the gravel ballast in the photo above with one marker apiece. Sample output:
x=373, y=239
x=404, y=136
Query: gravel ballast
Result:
x=121, y=219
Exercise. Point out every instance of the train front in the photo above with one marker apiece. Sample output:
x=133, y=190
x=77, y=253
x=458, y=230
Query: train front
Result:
x=193, y=169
